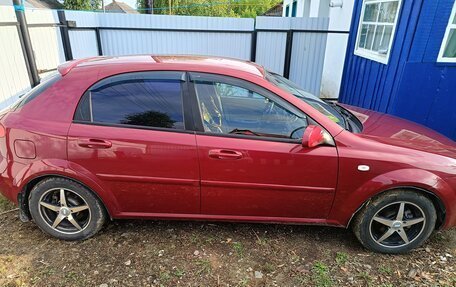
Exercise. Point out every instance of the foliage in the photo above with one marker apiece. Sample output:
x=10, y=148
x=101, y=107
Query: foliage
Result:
x=341, y=258
x=77, y=4
x=320, y=275
x=204, y=267
x=238, y=248
x=216, y=8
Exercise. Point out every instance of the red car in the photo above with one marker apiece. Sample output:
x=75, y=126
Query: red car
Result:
x=201, y=138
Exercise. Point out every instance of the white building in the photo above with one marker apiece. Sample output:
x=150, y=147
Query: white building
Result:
x=340, y=16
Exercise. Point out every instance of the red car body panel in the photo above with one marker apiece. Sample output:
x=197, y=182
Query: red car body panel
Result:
x=267, y=180
x=160, y=168
x=164, y=174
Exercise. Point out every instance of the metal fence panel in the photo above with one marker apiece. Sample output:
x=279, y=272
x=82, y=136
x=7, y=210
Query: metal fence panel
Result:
x=124, y=34
x=13, y=70
x=308, y=53
x=84, y=19
x=46, y=39
x=271, y=50
x=291, y=46
x=271, y=45
x=115, y=42
x=171, y=22
x=83, y=43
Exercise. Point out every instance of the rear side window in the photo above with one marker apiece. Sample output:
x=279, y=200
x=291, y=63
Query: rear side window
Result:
x=147, y=99
x=38, y=90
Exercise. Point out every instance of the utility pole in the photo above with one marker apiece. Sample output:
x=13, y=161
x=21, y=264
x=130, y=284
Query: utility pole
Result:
x=149, y=5
x=27, y=44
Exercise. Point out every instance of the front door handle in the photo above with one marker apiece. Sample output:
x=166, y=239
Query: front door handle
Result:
x=224, y=154
x=94, y=143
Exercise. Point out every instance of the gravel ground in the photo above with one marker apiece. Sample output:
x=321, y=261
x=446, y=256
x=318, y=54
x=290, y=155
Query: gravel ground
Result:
x=174, y=253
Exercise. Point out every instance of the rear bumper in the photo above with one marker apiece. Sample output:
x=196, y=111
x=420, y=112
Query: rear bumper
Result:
x=7, y=189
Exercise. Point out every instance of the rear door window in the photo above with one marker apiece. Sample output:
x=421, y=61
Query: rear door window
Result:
x=145, y=99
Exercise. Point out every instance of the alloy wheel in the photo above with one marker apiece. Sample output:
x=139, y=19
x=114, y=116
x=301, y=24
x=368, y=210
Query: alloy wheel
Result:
x=397, y=224
x=64, y=210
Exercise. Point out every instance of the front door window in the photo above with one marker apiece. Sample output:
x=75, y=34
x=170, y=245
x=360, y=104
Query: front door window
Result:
x=227, y=108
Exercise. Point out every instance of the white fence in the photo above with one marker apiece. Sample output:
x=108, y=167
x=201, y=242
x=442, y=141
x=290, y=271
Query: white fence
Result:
x=293, y=47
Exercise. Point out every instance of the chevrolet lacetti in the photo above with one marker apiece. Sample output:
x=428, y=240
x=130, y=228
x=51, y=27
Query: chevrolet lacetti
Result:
x=206, y=138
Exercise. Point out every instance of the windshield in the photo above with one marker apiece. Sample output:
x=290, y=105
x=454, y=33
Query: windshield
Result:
x=323, y=107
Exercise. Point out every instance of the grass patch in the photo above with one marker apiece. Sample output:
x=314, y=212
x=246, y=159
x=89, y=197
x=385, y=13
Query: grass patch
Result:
x=164, y=276
x=341, y=258
x=366, y=278
x=244, y=282
x=385, y=270
x=179, y=273
x=238, y=248
x=320, y=275
x=5, y=204
x=268, y=267
x=204, y=267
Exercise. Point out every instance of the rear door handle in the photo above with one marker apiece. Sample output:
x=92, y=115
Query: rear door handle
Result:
x=94, y=143
x=224, y=154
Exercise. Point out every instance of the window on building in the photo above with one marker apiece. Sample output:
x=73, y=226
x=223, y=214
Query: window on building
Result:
x=294, y=8
x=287, y=11
x=448, y=49
x=146, y=99
x=376, y=29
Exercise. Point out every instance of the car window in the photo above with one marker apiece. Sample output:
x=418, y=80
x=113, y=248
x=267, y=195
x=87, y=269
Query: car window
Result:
x=318, y=104
x=233, y=109
x=38, y=90
x=150, y=99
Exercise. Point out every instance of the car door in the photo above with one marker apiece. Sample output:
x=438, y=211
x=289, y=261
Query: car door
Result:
x=129, y=130
x=252, y=161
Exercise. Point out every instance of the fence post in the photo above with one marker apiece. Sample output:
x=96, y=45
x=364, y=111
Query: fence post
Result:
x=288, y=50
x=100, y=49
x=65, y=35
x=253, y=46
x=26, y=43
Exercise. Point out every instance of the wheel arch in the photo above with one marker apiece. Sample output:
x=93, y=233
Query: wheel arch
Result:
x=435, y=199
x=24, y=194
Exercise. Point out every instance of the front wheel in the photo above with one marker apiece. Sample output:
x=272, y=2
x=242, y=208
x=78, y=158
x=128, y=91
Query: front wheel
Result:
x=66, y=209
x=395, y=222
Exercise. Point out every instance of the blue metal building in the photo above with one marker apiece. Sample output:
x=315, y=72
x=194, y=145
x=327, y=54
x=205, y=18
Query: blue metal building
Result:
x=401, y=60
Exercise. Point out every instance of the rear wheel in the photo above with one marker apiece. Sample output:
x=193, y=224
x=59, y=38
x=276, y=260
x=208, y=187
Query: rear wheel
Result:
x=65, y=209
x=395, y=222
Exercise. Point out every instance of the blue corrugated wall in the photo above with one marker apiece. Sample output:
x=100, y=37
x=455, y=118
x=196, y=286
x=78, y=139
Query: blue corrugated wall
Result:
x=412, y=85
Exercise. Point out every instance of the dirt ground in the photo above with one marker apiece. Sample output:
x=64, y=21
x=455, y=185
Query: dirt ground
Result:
x=173, y=253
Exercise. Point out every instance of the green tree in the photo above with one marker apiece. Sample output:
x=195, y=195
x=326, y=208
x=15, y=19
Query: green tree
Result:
x=219, y=8
x=77, y=4
x=95, y=5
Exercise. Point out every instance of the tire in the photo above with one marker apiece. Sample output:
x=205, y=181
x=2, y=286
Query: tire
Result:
x=378, y=229
x=78, y=216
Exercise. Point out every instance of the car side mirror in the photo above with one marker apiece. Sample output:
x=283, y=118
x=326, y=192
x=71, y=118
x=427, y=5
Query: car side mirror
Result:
x=316, y=136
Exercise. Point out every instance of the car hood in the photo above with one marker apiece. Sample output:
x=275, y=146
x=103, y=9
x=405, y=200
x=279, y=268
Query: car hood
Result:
x=392, y=130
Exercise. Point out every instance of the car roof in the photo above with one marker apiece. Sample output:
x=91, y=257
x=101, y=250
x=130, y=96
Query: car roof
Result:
x=205, y=62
